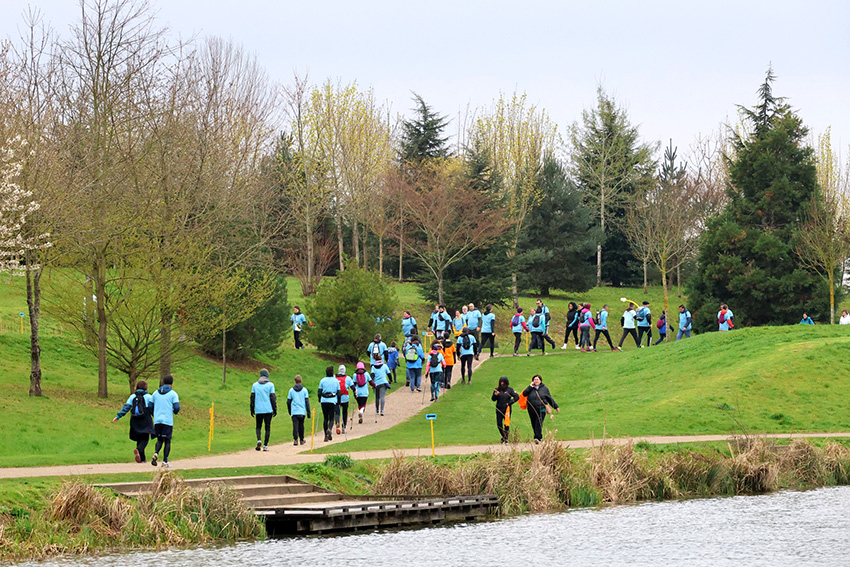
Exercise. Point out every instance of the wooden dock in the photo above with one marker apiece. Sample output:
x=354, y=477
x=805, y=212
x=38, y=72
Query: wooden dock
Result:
x=290, y=506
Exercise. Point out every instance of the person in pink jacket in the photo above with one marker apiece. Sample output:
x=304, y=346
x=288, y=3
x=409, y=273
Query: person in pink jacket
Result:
x=585, y=324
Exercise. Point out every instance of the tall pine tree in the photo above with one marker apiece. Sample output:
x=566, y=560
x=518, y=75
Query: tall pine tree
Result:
x=422, y=136
x=748, y=255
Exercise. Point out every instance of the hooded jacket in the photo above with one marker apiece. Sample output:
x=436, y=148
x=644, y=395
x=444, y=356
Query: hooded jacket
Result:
x=504, y=398
x=263, y=398
x=166, y=404
x=539, y=397
x=140, y=426
x=298, y=400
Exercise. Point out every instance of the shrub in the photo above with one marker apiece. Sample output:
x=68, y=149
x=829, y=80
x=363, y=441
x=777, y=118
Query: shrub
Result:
x=348, y=310
x=342, y=462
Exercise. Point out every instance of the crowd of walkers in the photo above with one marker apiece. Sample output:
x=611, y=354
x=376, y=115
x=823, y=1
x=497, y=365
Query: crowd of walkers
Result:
x=451, y=341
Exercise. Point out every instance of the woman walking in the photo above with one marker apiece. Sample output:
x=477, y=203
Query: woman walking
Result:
x=345, y=383
x=572, y=325
x=488, y=329
x=466, y=346
x=458, y=323
x=517, y=326
x=381, y=383
x=140, y=408
x=540, y=402
x=661, y=324
x=450, y=354
x=329, y=398
x=434, y=369
x=361, y=389
x=298, y=321
x=505, y=397
x=585, y=324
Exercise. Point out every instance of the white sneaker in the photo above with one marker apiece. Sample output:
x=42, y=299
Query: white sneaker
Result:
x=265, y=447
x=564, y=347
x=166, y=465
x=578, y=347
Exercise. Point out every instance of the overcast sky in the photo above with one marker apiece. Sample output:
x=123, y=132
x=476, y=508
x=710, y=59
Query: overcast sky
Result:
x=680, y=68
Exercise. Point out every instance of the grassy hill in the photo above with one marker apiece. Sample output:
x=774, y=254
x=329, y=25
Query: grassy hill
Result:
x=778, y=379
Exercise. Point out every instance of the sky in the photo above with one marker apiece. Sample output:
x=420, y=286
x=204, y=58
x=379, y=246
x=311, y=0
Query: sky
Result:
x=679, y=68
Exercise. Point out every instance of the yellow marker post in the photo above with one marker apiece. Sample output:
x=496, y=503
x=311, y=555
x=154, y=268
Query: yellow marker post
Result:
x=212, y=426
x=312, y=429
x=22, y=323
x=432, y=417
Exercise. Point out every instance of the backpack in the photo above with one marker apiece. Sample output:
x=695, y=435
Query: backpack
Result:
x=659, y=323
x=640, y=315
x=139, y=407
x=343, y=390
x=435, y=359
x=535, y=322
x=465, y=342
x=360, y=378
x=410, y=354
x=376, y=351
x=515, y=321
x=548, y=316
x=722, y=318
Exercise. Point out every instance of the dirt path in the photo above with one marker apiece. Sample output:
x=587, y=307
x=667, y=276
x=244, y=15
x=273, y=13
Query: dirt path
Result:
x=281, y=456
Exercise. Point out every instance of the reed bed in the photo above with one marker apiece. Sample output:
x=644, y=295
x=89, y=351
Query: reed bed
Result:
x=80, y=518
x=551, y=477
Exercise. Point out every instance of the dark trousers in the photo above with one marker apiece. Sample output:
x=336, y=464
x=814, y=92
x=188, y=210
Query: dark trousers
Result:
x=536, y=417
x=517, y=341
x=488, y=337
x=476, y=348
x=607, y=336
x=298, y=427
x=548, y=339
x=585, y=337
x=298, y=343
x=341, y=412
x=661, y=338
x=500, y=424
x=160, y=443
x=141, y=444
x=574, y=331
x=466, y=366
x=537, y=342
x=648, y=332
x=627, y=332
x=328, y=411
x=447, y=376
x=264, y=418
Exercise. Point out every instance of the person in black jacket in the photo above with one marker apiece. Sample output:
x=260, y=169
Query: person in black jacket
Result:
x=140, y=408
x=539, y=403
x=504, y=396
x=572, y=325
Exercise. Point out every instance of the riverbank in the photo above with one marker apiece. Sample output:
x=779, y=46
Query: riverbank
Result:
x=46, y=517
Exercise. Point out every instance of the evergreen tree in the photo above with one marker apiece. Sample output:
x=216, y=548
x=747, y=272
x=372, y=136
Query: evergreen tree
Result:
x=422, y=136
x=560, y=237
x=748, y=255
x=609, y=164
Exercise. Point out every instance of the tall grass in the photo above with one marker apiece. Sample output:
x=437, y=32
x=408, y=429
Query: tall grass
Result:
x=551, y=478
x=80, y=518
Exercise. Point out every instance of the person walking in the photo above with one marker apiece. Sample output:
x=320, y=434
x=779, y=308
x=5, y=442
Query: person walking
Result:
x=505, y=397
x=662, y=328
x=541, y=308
x=381, y=383
x=345, y=384
x=409, y=328
x=586, y=323
x=450, y=354
x=434, y=368
x=443, y=323
x=517, y=327
x=263, y=406
x=414, y=357
x=376, y=349
x=298, y=406
x=725, y=318
x=473, y=323
x=140, y=407
x=537, y=326
x=166, y=404
x=644, y=324
x=845, y=318
x=602, y=327
x=628, y=323
x=540, y=403
x=361, y=389
x=329, y=398
x=686, y=323
x=488, y=329
x=806, y=320
x=458, y=323
x=298, y=321
x=572, y=325
x=392, y=360
x=466, y=346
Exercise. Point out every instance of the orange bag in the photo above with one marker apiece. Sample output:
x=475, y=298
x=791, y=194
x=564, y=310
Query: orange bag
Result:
x=523, y=402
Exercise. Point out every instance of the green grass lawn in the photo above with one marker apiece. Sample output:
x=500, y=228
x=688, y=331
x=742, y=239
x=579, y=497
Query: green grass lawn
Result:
x=778, y=379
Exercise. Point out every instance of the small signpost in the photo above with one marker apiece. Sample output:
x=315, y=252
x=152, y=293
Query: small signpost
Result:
x=432, y=417
x=212, y=425
x=21, y=315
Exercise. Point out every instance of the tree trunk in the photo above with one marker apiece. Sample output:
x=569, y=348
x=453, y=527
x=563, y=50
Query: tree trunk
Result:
x=365, y=248
x=666, y=300
x=679, y=279
x=380, y=255
x=165, y=322
x=599, y=246
x=223, y=353
x=311, y=261
x=339, y=241
x=355, y=238
x=832, y=297
x=645, y=287
x=100, y=305
x=133, y=377
x=401, y=254
x=34, y=305
x=440, y=288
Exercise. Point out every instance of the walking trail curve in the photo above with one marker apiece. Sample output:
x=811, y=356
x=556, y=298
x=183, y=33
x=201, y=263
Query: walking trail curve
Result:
x=401, y=405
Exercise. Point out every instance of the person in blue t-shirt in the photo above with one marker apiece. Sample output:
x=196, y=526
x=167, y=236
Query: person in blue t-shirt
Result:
x=686, y=323
x=644, y=324
x=806, y=320
x=298, y=405
x=140, y=408
x=329, y=398
x=547, y=317
x=414, y=358
x=466, y=347
x=602, y=327
x=298, y=321
x=488, y=330
x=381, y=383
x=263, y=406
x=473, y=323
x=537, y=326
x=166, y=404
